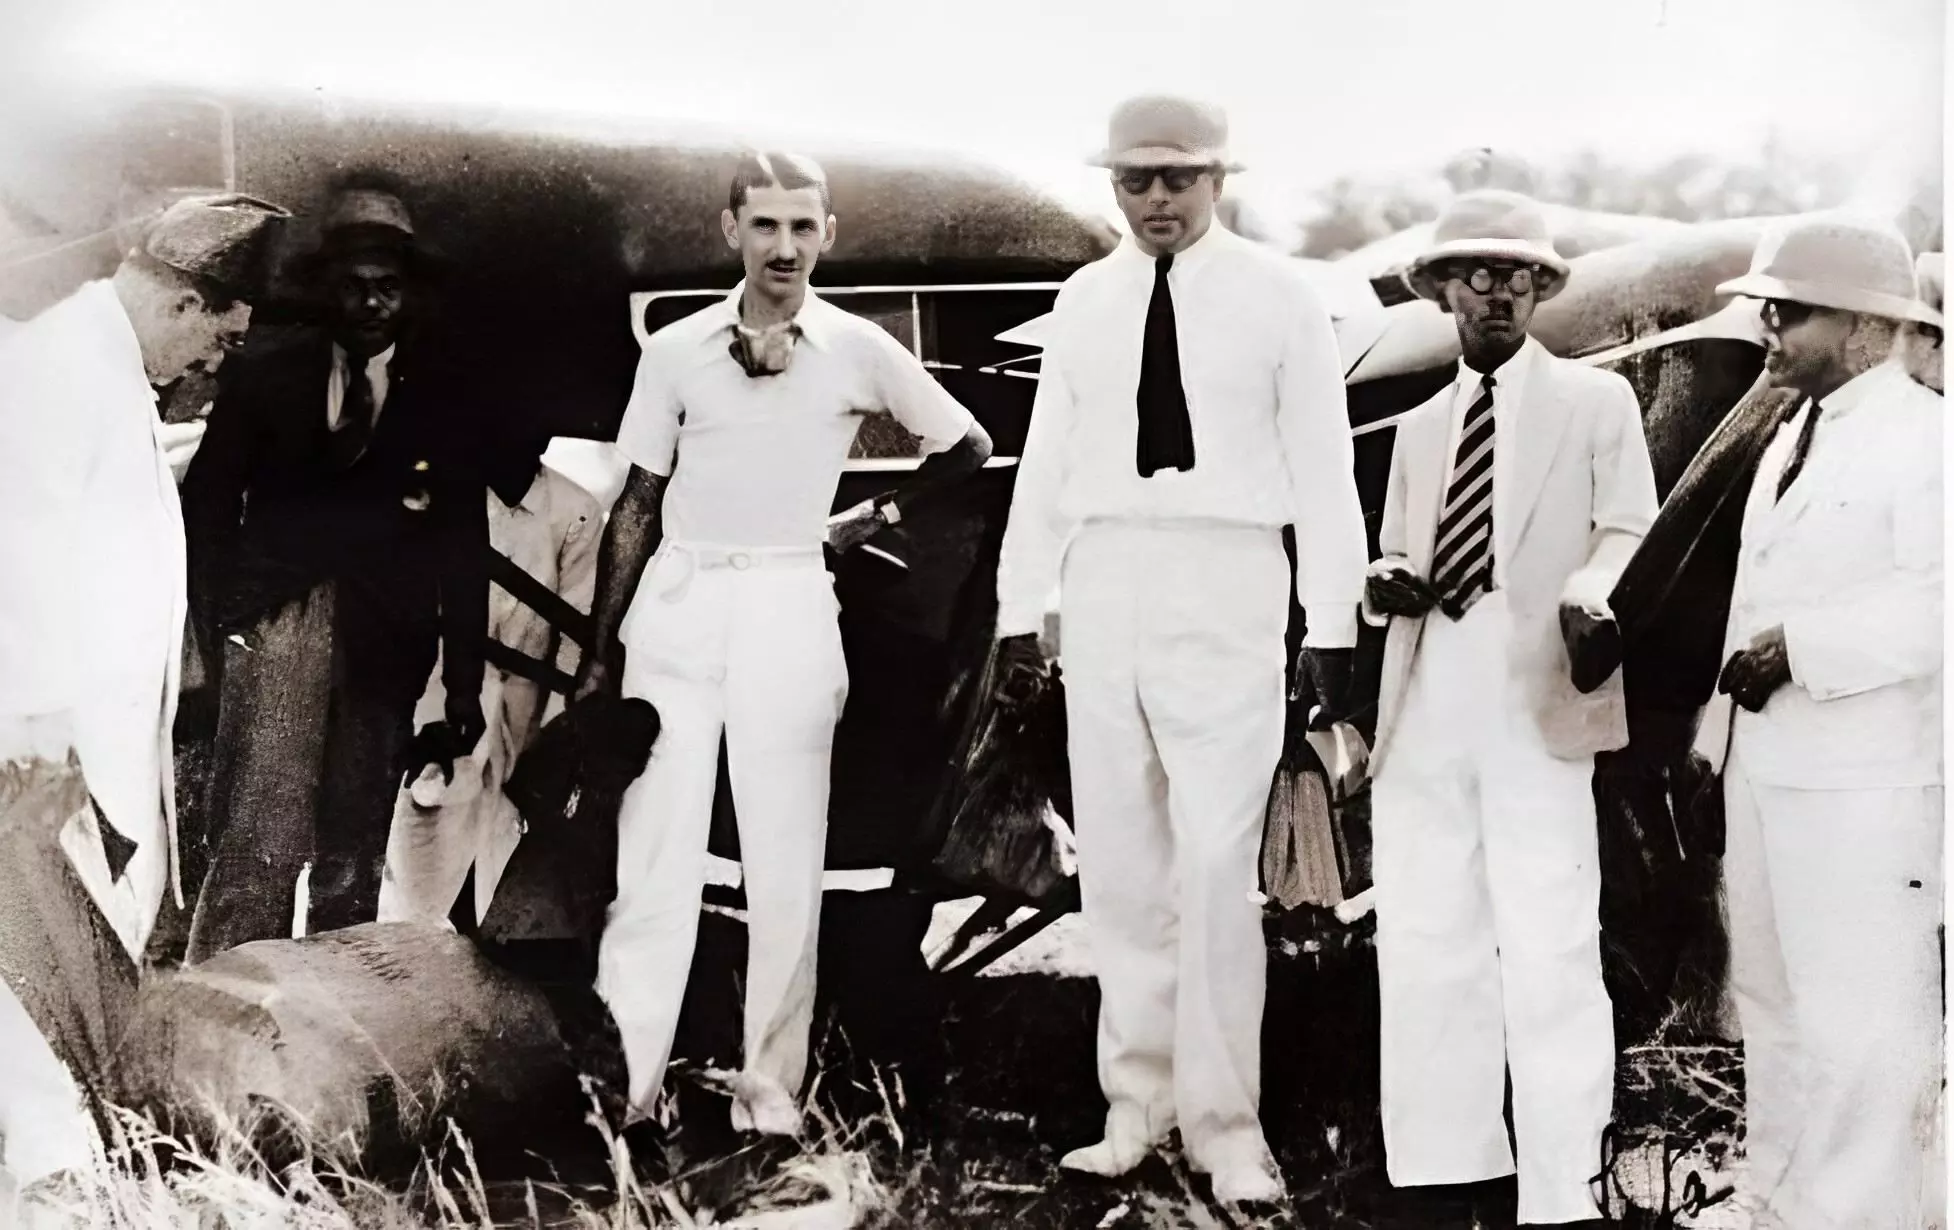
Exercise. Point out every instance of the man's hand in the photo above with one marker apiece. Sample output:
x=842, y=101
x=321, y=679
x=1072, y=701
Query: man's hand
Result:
x=1022, y=668
x=464, y=719
x=856, y=526
x=1752, y=675
x=1326, y=674
x=1594, y=644
x=602, y=673
x=1394, y=589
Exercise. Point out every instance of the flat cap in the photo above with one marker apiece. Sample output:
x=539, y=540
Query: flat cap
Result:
x=224, y=240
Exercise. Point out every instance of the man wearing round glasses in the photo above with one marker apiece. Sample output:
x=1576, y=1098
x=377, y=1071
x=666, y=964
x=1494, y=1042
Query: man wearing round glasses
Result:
x=1516, y=496
x=1831, y=751
x=1190, y=405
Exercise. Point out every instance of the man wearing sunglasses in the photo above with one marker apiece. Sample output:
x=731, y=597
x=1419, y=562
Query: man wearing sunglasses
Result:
x=1190, y=406
x=1516, y=496
x=1827, y=726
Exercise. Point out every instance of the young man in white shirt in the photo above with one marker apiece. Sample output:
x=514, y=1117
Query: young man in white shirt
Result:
x=1190, y=405
x=713, y=603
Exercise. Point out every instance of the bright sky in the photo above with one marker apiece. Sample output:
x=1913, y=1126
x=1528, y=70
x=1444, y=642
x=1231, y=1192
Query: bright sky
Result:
x=1314, y=89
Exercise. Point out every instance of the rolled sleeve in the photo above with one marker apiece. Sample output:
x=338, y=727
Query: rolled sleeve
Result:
x=648, y=435
x=908, y=391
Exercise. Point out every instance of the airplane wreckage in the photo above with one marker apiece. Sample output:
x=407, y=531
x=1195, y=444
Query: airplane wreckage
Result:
x=563, y=251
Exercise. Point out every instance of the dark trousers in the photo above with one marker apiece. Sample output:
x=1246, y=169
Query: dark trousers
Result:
x=306, y=767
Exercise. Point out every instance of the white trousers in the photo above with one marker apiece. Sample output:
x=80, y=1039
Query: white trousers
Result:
x=1835, y=900
x=44, y=1124
x=472, y=825
x=745, y=642
x=1174, y=665
x=1488, y=935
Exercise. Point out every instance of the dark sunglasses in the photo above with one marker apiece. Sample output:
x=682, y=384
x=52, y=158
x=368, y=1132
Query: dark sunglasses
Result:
x=1136, y=180
x=1482, y=278
x=1781, y=314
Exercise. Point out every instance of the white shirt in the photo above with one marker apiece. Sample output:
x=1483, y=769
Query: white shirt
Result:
x=1264, y=384
x=1509, y=386
x=376, y=377
x=754, y=461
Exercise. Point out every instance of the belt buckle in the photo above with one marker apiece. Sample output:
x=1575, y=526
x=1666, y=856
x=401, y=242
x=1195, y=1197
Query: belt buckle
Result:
x=740, y=561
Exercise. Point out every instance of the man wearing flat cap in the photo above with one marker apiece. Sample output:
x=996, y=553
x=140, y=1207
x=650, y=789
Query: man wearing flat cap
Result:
x=1190, y=407
x=338, y=541
x=1516, y=496
x=92, y=610
x=1827, y=727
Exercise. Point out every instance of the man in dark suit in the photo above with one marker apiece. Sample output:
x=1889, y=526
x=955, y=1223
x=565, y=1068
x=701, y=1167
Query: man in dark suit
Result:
x=337, y=536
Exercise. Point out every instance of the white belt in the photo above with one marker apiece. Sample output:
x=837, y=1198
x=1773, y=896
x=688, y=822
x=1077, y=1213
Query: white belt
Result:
x=740, y=559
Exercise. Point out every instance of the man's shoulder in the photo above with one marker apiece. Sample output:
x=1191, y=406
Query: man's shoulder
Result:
x=684, y=334
x=1571, y=376
x=570, y=503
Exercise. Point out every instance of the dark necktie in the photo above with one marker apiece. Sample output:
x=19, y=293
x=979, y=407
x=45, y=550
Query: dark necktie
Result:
x=1801, y=449
x=355, y=416
x=1166, y=437
x=1462, y=559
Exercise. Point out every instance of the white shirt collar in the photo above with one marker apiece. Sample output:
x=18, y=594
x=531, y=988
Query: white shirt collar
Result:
x=1190, y=259
x=1508, y=377
x=1862, y=388
x=814, y=318
x=377, y=364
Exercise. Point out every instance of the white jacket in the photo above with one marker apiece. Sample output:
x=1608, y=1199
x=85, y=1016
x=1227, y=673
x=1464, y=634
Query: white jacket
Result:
x=1582, y=498
x=1849, y=563
x=92, y=580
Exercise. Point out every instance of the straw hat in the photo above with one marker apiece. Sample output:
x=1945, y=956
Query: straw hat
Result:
x=1490, y=224
x=1159, y=130
x=1836, y=261
x=1931, y=272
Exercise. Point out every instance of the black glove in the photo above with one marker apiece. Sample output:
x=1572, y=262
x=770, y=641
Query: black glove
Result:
x=1325, y=673
x=436, y=743
x=1400, y=591
x=1594, y=646
x=1752, y=675
x=1021, y=668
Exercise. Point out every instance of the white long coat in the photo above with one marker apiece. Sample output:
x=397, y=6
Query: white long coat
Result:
x=92, y=601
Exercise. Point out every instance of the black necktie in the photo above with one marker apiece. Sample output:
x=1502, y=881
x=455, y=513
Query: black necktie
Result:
x=1462, y=560
x=355, y=416
x=1166, y=437
x=1801, y=449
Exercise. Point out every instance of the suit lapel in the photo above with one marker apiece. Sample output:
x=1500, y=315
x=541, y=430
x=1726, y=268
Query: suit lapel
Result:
x=1539, y=428
x=1424, y=435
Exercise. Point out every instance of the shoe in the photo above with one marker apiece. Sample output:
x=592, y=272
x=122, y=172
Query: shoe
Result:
x=1107, y=1159
x=1248, y=1185
x=761, y=1106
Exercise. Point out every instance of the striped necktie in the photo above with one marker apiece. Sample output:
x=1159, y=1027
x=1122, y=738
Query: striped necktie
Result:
x=1462, y=560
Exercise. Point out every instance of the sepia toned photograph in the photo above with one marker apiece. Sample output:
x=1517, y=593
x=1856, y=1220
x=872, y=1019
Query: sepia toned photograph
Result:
x=622, y=615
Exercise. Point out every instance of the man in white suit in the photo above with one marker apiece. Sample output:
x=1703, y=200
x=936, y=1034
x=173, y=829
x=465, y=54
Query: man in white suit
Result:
x=1190, y=405
x=1516, y=496
x=1832, y=752
x=92, y=607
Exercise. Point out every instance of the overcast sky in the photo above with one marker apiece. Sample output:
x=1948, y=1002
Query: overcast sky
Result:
x=1314, y=89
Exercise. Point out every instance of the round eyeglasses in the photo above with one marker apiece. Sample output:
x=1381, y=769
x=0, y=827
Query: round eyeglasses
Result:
x=1483, y=278
x=1136, y=180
